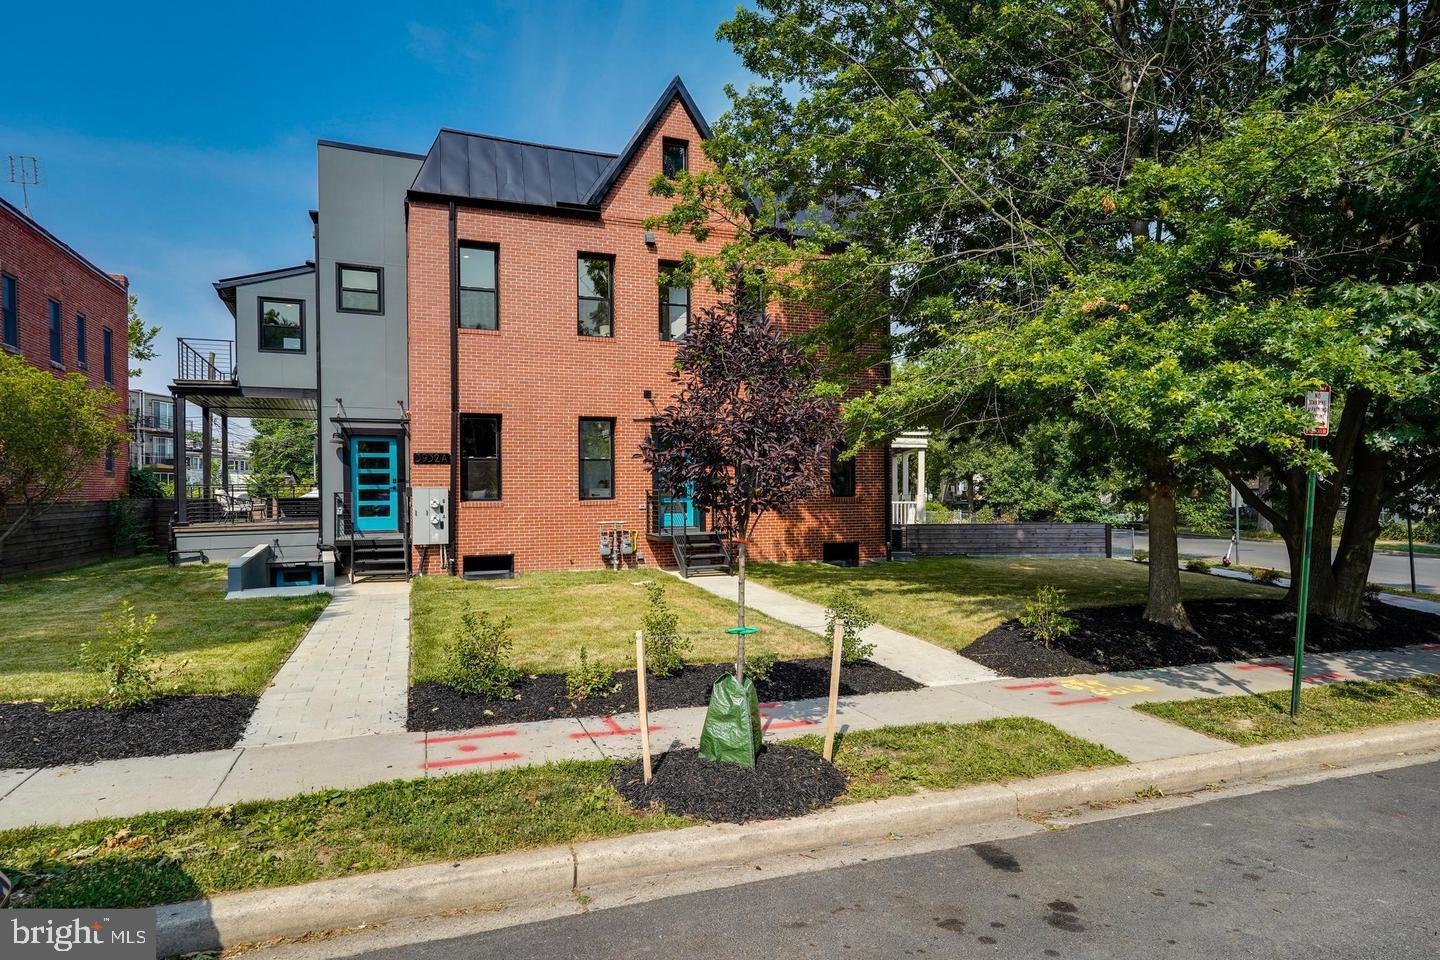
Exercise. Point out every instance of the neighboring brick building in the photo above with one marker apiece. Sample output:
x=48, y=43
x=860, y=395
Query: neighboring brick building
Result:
x=531, y=378
x=63, y=313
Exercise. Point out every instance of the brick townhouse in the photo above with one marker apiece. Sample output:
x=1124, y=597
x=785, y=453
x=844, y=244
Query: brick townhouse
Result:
x=63, y=313
x=483, y=341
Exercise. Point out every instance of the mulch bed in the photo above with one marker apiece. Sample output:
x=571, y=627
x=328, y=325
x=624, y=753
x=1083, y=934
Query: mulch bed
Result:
x=438, y=706
x=1117, y=638
x=786, y=782
x=31, y=736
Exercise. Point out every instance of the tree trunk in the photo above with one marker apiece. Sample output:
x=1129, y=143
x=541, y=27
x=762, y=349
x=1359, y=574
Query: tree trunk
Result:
x=1351, y=570
x=1163, y=601
x=740, y=614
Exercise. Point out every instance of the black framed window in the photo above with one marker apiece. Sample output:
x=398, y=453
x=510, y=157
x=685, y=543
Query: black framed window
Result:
x=282, y=325
x=842, y=473
x=674, y=156
x=57, y=351
x=479, y=286
x=359, y=289
x=479, y=457
x=10, y=309
x=110, y=460
x=674, y=306
x=596, y=295
x=597, y=459
x=107, y=350
x=82, y=353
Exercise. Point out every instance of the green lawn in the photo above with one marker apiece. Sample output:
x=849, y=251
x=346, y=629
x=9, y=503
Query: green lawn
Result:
x=217, y=646
x=952, y=600
x=170, y=857
x=1333, y=708
x=553, y=614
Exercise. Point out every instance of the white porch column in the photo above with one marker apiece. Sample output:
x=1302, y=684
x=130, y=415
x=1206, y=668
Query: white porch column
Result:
x=920, y=495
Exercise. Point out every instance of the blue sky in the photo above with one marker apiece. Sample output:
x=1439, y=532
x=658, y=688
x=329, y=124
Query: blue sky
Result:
x=177, y=143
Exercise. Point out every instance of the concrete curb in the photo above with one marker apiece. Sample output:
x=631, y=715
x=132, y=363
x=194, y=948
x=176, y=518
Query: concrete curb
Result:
x=238, y=918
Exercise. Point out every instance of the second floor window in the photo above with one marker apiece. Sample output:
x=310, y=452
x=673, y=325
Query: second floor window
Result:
x=107, y=349
x=360, y=288
x=82, y=354
x=842, y=473
x=674, y=307
x=9, y=307
x=479, y=457
x=282, y=325
x=164, y=415
x=479, y=287
x=596, y=276
x=597, y=459
x=57, y=354
x=674, y=157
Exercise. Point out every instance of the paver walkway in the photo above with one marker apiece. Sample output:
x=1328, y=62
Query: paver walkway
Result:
x=920, y=661
x=350, y=675
x=1095, y=707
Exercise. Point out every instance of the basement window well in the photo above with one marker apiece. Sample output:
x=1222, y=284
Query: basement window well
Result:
x=490, y=566
x=841, y=554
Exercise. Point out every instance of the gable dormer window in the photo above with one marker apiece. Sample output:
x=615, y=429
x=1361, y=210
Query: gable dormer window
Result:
x=674, y=156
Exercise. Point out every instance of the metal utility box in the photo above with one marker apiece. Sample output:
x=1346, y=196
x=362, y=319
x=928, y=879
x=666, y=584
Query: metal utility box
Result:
x=429, y=516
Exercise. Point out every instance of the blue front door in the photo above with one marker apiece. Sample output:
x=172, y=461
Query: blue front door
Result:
x=679, y=510
x=374, y=484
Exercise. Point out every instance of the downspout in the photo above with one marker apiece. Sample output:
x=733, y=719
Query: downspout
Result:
x=454, y=250
x=320, y=405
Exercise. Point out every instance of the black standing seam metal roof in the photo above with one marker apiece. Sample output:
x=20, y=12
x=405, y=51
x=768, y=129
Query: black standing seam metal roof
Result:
x=476, y=166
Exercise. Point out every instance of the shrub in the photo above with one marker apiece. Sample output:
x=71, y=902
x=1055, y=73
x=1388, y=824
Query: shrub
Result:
x=854, y=617
x=1044, y=616
x=1140, y=556
x=146, y=483
x=122, y=656
x=937, y=512
x=127, y=533
x=1264, y=575
x=1197, y=565
x=665, y=648
x=589, y=679
x=759, y=665
x=481, y=661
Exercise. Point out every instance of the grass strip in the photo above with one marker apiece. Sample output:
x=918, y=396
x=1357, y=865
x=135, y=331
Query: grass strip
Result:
x=1333, y=708
x=175, y=856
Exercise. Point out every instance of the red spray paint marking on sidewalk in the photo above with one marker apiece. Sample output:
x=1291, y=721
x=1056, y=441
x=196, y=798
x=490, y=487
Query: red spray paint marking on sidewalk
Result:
x=472, y=736
x=613, y=730
x=1028, y=686
x=1308, y=678
x=1071, y=703
x=466, y=761
x=769, y=724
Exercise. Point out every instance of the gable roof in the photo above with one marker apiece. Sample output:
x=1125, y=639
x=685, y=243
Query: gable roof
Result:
x=480, y=167
x=59, y=244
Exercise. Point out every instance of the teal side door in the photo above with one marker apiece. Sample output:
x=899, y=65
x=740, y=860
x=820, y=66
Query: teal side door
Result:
x=679, y=510
x=374, y=483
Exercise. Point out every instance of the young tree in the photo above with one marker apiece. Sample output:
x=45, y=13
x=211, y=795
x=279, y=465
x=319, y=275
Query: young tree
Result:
x=53, y=432
x=750, y=430
x=141, y=338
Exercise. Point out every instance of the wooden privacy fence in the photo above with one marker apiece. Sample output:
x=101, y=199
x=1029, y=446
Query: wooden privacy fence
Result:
x=1005, y=539
x=72, y=533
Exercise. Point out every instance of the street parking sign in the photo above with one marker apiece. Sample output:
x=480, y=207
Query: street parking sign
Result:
x=1318, y=403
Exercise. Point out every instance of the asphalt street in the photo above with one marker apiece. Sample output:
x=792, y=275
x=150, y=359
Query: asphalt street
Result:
x=1343, y=868
x=1386, y=568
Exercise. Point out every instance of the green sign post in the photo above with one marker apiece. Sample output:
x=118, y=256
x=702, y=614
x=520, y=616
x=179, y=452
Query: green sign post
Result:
x=1318, y=403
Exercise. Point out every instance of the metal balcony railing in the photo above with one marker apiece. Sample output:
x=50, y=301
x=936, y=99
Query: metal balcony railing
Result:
x=249, y=503
x=206, y=361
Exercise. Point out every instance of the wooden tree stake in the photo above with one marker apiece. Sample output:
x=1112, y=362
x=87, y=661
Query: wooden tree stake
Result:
x=644, y=711
x=829, y=753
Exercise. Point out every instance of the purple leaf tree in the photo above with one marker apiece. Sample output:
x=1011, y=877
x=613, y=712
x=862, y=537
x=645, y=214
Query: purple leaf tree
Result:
x=750, y=430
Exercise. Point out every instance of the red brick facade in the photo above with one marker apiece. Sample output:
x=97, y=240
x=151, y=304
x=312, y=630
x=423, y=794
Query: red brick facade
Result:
x=541, y=377
x=44, y=269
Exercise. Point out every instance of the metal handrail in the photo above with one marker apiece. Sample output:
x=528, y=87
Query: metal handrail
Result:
x=247, y=503
x=205, y=361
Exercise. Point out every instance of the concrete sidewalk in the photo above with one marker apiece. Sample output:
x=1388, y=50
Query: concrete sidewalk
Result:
x=905, y=654
x=1091, y=706
x=348, y=677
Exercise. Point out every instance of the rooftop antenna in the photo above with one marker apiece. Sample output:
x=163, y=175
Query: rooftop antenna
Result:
x=26, y=172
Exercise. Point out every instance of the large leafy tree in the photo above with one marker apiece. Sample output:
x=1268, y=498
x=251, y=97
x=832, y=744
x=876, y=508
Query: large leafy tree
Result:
x=282, y=455
x=750, y=430
x=53, y=432
x=967, y=180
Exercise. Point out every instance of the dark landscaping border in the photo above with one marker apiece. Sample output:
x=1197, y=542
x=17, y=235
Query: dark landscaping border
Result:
x=33, y=736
